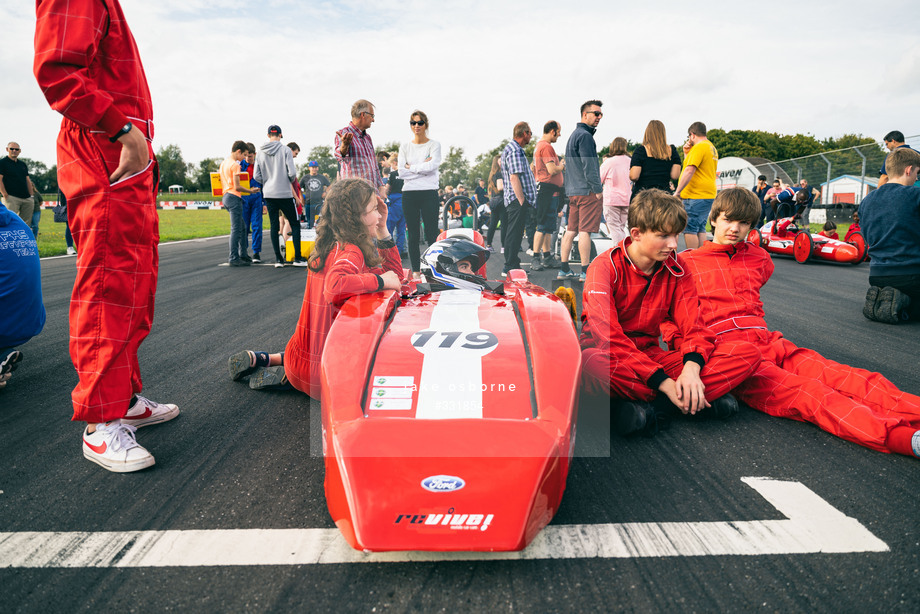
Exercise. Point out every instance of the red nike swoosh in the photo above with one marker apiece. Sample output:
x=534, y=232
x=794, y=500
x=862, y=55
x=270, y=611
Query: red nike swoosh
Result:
x=147, y=413
x=97, y=449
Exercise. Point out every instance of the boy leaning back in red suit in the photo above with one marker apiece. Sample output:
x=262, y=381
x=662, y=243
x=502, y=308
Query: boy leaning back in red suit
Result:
x=791, y=382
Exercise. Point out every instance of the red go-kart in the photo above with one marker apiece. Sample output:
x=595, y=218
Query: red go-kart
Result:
x=785, y=237
x=449, y=416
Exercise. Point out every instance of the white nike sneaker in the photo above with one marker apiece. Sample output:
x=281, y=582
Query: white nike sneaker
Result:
x=113, y=446
x=145, y=412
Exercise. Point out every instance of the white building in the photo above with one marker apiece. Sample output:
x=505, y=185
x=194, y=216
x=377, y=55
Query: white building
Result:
x=847, y=189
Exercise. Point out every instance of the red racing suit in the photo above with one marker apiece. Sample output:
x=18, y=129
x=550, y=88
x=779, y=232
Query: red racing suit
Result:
x=88, y=67
x=622, y=312
x=791, y=382
x=344, y=276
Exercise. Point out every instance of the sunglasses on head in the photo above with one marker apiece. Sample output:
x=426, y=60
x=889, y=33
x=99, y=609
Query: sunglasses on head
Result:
x=416, y=123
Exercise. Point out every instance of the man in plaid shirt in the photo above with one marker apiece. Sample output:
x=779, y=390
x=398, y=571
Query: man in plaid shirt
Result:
x=520, y=192
x=354, y=149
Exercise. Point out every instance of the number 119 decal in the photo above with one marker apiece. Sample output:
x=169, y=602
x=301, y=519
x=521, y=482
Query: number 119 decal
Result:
x=426, y=340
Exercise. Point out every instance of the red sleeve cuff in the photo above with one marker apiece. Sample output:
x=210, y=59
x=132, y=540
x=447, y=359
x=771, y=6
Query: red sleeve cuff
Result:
x=112, y=121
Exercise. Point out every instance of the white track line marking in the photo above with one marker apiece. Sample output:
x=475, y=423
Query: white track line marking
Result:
x=813, y=526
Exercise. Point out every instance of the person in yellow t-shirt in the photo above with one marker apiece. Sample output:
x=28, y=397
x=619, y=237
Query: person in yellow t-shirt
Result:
x=697, y=183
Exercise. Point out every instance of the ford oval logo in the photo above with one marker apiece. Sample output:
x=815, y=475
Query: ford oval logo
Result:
x=443, y=483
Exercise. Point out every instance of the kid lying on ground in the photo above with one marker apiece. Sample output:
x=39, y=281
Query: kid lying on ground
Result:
x=791, y=382
x=630, y=290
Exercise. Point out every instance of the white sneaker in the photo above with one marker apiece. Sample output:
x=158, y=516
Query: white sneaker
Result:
x=114, y=447
x=145, y=412
x=71, y=251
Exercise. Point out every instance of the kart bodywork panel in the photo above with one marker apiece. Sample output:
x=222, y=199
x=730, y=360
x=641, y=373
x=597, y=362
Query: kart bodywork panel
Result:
x=449, y=418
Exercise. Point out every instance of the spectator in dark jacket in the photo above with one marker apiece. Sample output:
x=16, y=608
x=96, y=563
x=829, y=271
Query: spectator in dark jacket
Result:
x=583, y=188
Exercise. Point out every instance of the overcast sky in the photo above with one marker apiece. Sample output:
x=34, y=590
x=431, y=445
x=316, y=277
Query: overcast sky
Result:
x=478, y=67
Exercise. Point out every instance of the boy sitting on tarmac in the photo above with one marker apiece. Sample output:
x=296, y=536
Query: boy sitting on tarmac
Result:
x=630, y=291
x=790, y=382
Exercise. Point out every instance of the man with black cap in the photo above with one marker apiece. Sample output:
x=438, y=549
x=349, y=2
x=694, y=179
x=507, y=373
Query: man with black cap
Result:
x=274, y=169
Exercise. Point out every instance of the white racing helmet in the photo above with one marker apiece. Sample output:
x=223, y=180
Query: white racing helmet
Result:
x=442, y=257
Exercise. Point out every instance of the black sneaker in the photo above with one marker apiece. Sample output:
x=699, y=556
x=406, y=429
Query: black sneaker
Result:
x=240, y=365
x=891, y=307
x=239, y=263
x=871, y=301
x=628, y=416
x=246, y=259
x=9, y=360
x=723, y=408
x=537, y=265
x=256, y=257
x=268, y=377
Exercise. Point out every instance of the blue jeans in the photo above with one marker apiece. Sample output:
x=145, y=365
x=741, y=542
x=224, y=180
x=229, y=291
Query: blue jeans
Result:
x=252, y=217
x=697, y=212
x=396, y=221
x=234, y=206
x=36, y=218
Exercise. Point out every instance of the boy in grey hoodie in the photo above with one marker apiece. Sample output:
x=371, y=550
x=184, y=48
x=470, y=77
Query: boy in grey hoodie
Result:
x=274, y=169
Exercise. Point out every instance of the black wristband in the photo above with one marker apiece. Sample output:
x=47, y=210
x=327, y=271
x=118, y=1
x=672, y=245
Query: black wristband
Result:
x=379, y=282
x=386, y=243
x=694, y=357
x=124, y=130
x=655, y=380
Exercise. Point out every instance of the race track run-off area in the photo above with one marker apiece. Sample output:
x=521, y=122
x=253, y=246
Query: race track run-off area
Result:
x=754, y=514
x=813, y=526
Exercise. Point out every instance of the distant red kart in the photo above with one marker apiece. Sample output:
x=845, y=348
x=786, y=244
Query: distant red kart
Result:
x=785, y=237
x=449, y=416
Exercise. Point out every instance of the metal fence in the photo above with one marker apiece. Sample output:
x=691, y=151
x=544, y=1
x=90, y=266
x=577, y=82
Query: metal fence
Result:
x=844, y=176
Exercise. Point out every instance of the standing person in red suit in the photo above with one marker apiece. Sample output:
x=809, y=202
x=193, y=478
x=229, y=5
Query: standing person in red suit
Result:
x=630, y=291
x=791, y=382
x=88, y=67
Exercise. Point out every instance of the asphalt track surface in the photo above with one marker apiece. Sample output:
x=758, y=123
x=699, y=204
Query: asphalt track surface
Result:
x=239, y=459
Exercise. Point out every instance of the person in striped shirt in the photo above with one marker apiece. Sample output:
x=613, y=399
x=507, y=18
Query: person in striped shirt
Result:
x=354, y=149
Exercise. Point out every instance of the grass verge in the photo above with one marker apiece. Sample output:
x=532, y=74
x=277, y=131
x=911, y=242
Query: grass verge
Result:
x=176, y=225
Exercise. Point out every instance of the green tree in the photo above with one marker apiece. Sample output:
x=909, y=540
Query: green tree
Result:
x=482, y=165
x=173, y=168
x=391, y=147
x=43, y=178
x=201, y=175
x=454, y=167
